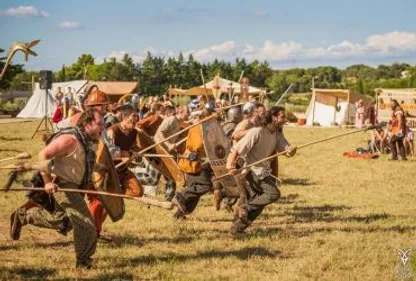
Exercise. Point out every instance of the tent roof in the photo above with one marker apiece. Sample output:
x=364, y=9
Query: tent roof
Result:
x=404, y=92
x=216, y=84
x=41, y=103
x=195, y=91
x=343, y=94
x=115, y=87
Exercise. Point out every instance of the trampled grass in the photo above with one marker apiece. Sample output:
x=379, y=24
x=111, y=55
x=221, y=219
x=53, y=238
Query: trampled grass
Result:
x=338, y=219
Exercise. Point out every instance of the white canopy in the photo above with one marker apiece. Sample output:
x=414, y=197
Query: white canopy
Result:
x=42, y=103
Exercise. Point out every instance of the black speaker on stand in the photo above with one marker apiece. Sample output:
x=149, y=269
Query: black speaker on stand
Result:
x=45, y=83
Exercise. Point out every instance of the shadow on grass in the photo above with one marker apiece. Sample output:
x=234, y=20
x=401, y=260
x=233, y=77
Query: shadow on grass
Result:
x=207, y=219
x=298, y=182
x=3, y=138
x=114, y=276
x=129, y=240
x=242, y=254
x=25, y=273
x=324, y=214
x=290, y=199
x=300, y=232
x=22, y=246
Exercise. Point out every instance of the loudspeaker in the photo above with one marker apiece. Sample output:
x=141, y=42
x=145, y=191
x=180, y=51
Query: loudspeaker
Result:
x=45, y=81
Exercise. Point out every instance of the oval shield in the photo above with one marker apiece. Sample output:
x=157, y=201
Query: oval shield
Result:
x=166, y=166
x=218, y=147
x=106, y=179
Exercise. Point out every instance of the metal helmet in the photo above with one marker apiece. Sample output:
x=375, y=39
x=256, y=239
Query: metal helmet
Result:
x=234, y=114
x=96, y=97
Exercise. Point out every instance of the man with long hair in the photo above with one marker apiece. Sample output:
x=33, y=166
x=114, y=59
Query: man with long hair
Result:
x=257, y=144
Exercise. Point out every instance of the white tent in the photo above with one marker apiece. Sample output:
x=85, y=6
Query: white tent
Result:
x=41, y=104
x=333, y=106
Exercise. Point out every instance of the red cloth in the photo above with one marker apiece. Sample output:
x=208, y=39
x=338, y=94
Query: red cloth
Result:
x=97, y=211
x=354, y=154
x=58, y=115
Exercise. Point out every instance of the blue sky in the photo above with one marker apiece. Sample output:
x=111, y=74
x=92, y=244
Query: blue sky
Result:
x=285, y=33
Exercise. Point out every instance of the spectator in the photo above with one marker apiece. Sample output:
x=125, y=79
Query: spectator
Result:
x=360, y=114
x=58, y=115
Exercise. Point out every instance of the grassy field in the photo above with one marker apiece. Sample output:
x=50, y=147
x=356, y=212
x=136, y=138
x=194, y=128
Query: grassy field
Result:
x=338, y=219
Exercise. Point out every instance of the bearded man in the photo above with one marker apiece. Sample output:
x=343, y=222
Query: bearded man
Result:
x=67, y=161
x=124, y=138
x=257, y=144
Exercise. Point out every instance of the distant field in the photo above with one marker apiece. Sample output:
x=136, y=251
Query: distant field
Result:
x=338, y=219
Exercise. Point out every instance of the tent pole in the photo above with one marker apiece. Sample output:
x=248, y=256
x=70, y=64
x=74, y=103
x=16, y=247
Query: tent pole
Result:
x=314, y=105
x=335, y=111
x=348, y=108
x=46, y=109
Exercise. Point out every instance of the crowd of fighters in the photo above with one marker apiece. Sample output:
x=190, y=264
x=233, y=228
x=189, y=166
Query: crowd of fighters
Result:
x=69, y=159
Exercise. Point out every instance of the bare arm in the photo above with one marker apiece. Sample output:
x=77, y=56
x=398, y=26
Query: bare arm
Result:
x=61, y=146
x=232, y=161
x=239, y=135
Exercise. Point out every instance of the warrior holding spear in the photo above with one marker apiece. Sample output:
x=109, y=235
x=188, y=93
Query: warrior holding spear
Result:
x=67, y=161
x=259, y=143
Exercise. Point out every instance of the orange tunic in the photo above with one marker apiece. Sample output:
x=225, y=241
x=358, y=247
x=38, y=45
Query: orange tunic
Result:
x=194, y=143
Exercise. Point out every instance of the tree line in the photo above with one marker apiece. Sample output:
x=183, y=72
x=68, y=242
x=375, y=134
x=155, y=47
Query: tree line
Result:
x=155, y=74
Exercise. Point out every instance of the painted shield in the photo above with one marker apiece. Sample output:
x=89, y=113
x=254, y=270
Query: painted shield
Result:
x=218, y=147
x=106, y=179
x=166, y=166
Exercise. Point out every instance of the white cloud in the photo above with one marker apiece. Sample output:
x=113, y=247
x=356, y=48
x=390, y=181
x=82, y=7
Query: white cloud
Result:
x=70, y=25
x=24, y=11
x=389, y=45
x=215, y=51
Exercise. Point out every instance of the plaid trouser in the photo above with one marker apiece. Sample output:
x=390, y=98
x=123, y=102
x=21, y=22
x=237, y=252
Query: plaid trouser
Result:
x=75, y=208
x=150, y=177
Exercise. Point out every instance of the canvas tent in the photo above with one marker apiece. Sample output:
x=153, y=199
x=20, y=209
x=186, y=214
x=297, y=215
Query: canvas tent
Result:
x=215, y=87
x=41, y=104
x=405, y=97
x=333, y=107
x=114, y=89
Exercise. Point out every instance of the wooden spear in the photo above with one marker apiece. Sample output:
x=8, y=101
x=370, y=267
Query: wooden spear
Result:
x=212, y=116
x=205, y=86
x=300, y=147
x=143, y=200
x=23, y=155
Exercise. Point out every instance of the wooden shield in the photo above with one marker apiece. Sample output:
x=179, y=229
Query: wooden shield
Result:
x=105, y=179
x=218, y=147
x=166, y=166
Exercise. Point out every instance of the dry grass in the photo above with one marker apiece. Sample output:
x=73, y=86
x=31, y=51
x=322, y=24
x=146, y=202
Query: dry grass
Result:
x=338, y=219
